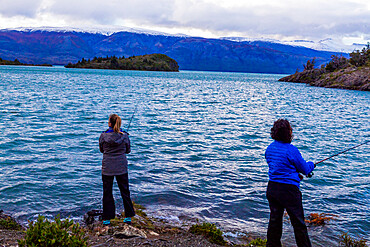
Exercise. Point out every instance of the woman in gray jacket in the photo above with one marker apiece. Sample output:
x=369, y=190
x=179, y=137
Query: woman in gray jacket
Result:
x=115, y=144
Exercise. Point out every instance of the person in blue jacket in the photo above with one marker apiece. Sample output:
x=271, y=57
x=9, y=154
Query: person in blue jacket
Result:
x=285, y=165
x=115, y=144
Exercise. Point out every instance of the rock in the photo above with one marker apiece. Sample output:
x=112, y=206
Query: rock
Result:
x=128, y=231
x=153, y=233
x=89, y=217
x=101, y=230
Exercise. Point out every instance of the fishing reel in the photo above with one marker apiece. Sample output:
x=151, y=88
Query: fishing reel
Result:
x=309, y=175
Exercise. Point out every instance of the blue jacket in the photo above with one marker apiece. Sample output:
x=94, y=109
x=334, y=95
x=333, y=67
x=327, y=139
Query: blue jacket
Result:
x=285, y=163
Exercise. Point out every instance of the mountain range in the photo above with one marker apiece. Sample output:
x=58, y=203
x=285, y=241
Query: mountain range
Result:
x=59, y=47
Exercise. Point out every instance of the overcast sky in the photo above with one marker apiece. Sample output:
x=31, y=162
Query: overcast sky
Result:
x=281, y=19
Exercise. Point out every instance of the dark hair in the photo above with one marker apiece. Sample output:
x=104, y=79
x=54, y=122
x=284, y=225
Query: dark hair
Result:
x=115, y=121
x=282, y=131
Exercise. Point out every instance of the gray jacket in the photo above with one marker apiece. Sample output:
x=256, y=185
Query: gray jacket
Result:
x=114, y=147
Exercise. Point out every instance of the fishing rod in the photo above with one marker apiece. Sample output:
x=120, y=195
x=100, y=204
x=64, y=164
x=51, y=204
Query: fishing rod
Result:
x=128, y=127
x=135, y=110
x=311, y=174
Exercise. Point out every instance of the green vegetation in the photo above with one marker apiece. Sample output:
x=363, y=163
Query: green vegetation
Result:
x=340, y=72
x=16, y=62
x=210, y=231
x=8, y=62
x=357, y=59
x=9, y=223
x=57, y=233
x=139, y=209
x=258, y=242
x=153, y=62
x=348, y=241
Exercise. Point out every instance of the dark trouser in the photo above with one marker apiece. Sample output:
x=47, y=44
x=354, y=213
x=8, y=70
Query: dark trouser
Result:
x=285, y=196
x=109, y=208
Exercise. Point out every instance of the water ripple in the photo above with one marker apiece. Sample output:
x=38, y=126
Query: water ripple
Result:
x=198, y=141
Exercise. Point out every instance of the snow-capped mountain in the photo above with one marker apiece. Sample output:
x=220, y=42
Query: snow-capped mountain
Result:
x=328, y=44
x=63, y=45
x=94, y=30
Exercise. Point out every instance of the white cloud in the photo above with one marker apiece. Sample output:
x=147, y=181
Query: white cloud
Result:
x=10, y=8
x=311, y=19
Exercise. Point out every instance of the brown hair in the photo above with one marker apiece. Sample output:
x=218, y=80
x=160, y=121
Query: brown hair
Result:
x=282, y=131
x=115, y=121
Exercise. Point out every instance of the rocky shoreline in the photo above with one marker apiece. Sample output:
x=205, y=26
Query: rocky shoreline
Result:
x=144, y=231
x=346, y=73
x=349, y=78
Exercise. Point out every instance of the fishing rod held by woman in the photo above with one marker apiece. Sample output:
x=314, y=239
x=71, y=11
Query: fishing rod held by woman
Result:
x=285, y=163
x=115, y=144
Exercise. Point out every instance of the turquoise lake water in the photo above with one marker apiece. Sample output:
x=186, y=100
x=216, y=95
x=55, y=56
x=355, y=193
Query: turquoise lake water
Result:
x=198, y=142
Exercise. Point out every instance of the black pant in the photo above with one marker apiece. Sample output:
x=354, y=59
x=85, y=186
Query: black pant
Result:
x=285, y=196
x=109, y=208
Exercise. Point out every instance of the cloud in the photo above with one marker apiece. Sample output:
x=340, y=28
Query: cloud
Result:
x=10, y=8
x=285, y=18
x=108, y=12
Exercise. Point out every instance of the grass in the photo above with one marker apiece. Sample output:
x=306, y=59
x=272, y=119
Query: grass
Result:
x=142, y=220
x=139, y=209
x=258, y=242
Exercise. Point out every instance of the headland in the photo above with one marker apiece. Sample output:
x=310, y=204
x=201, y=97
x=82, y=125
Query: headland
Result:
x=152, y=62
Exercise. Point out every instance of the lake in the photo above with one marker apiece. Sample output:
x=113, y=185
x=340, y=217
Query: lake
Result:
x=198, y=142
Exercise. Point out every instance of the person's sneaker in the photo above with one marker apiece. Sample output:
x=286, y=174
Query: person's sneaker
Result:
x=106, y=222
x=127, y=220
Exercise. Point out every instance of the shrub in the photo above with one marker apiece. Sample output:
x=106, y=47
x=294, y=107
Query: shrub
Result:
x=320, y=219
x=258, y=242
x=57, y=233
x=9, y=223
x=210, y=231
x=348, y=241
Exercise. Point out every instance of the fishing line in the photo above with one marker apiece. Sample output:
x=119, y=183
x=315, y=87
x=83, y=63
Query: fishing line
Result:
x=311, y=174
x=132, y=116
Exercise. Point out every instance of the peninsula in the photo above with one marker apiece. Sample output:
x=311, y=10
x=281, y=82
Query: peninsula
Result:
x=340, y=72
x=16, y=62
x=152, y=62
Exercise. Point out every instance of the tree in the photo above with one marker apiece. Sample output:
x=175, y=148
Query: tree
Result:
x=358, y=58
x=309, y=65
x=114, y=63
x=16, y=61
x=336, y=63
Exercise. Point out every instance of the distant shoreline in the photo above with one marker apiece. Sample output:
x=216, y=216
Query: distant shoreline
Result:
x=16, y=62
x=152, y=62
x=29, y=65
